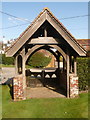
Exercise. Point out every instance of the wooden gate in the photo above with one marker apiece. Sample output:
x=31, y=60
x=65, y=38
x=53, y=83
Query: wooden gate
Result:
x=42, y=77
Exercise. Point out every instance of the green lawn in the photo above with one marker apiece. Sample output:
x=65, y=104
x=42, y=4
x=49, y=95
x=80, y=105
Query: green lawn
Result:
x=44, y=108
x=2, y=65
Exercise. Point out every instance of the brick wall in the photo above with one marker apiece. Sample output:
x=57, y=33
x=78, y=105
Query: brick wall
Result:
x=74, y=90
x=18, y=92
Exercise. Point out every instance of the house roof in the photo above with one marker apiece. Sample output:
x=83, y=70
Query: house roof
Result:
x=39, y=20
x=84, y=41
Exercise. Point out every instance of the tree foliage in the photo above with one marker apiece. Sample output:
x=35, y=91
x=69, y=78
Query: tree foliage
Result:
x=6, y=60
x=39, y=60
x=83, y=72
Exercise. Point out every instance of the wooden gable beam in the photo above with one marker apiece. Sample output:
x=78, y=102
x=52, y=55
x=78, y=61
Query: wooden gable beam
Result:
x=66, y=36
x=44, y=40
x=30, y=51
x=26, y=35
x=46, y=15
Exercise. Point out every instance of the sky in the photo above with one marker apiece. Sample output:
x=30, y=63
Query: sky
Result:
x=28, y=11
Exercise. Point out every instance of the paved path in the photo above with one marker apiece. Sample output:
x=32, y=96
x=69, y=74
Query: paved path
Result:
x=6, y=74
x=43, y=92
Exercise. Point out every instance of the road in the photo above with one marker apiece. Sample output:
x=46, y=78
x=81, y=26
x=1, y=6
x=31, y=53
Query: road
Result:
x=6, y=74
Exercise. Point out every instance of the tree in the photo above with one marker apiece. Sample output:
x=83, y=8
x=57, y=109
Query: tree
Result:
x=39, y=60
x=7, y=60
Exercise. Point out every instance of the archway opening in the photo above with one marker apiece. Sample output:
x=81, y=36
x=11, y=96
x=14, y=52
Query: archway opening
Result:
x=40, y=67
x=43, y=70
x=39, y=59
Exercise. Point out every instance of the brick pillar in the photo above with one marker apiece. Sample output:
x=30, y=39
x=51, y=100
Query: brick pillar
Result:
x=18, y=91
x=74, y=90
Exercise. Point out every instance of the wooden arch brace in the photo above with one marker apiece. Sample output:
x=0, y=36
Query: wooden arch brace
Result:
x=39, y=46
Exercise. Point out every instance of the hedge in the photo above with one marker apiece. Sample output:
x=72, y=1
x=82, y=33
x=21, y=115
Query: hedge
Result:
x=6, y=60
x=83, y=72
x=39, y=60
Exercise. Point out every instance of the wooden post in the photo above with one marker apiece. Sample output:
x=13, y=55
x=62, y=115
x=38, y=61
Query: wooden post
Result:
x=71, y=64
x=58, y=63
x=16, y=65
x=43, y=77
x=23, y=68
x=75, y=66
x=68, y=76
x=45, y=32
x=63, y=64
x=58, y=60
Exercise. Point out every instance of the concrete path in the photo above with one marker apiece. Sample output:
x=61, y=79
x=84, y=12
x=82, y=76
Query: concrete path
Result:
x=6, y=74
x=42, y=92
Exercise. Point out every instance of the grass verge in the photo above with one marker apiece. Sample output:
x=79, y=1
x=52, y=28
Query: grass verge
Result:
x=44, y=108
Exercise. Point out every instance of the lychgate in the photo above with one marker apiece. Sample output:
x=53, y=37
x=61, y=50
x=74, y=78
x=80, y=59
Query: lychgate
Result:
x=46, y=32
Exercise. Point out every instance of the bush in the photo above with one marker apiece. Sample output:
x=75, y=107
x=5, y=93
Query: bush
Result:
x=83, y=72
x=6, y=60
x=39, y=60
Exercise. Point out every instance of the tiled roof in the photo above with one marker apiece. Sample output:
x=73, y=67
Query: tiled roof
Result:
x=84, y=41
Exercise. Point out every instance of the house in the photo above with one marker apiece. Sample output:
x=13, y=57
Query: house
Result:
x=85, y=43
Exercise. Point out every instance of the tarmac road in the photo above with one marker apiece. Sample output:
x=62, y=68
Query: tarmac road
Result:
x=6, y=74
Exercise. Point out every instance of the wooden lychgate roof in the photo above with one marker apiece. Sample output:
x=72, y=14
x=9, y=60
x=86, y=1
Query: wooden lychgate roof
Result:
x=45, y=15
